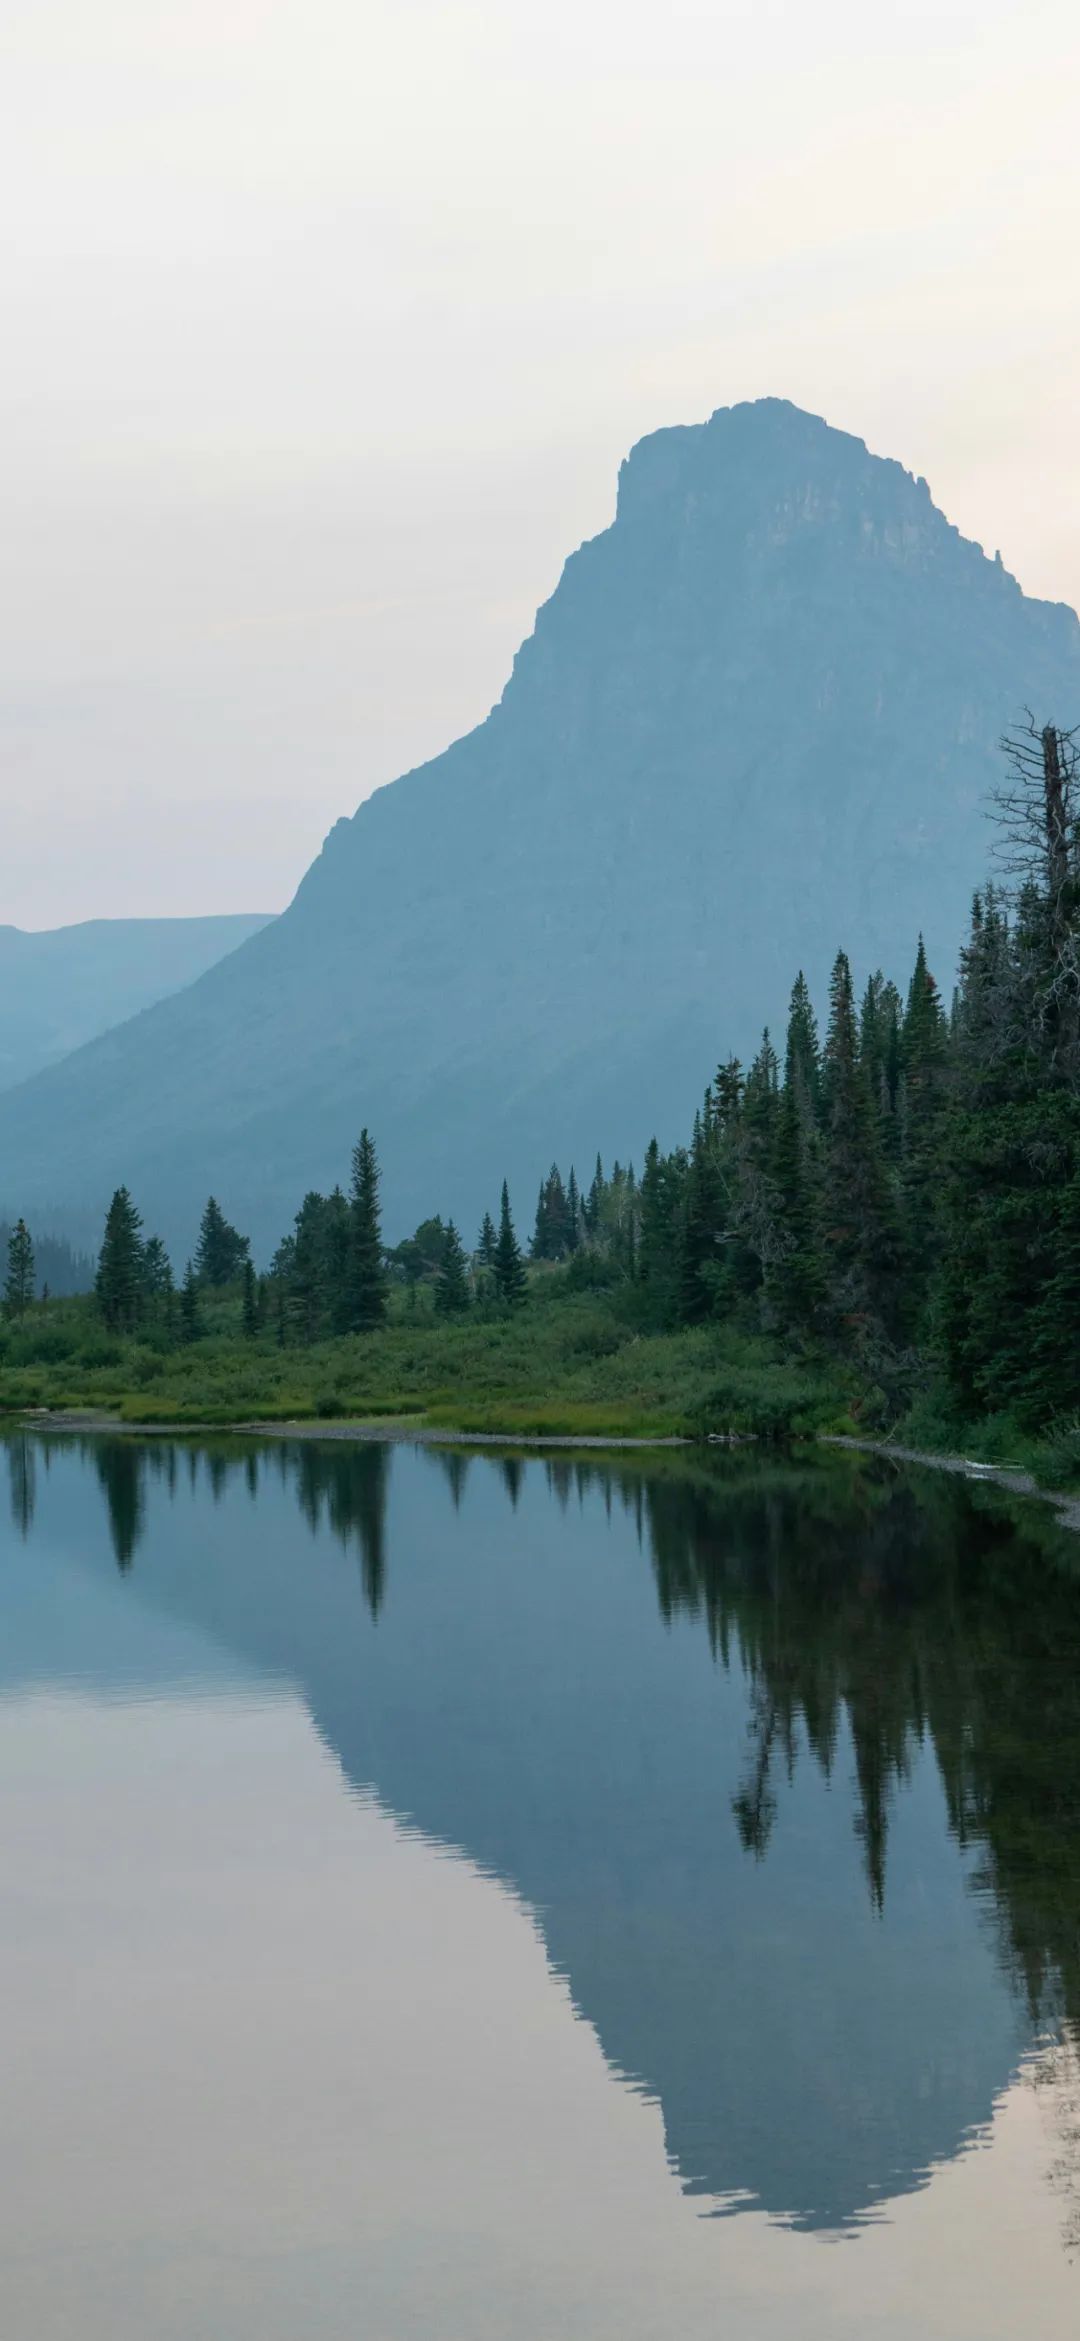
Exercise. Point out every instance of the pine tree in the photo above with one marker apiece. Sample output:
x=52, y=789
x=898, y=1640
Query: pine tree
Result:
x=861, y=1237
x=367, y=1274
x=802, y=1063
x=704, y=1253
x=220, y=1252
x=539, y=1244
x=336, y=1243
x=19, y=1286
x=923, y=1058
x=488, y=1242
x=190, y=1321
x=158, y=1287
x=511, y=1282
x=307, y=1296
x=119, y=1281
x=250, y=1304
x=573, y=1212
x=799, y=1281
x=452, y=1289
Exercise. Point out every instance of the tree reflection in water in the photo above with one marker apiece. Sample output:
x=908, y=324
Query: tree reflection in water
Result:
x=907, y=1606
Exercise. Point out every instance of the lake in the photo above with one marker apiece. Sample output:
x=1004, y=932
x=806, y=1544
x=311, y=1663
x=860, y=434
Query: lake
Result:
x=461, y=1896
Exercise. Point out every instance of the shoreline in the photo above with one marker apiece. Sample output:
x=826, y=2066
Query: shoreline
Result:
x=1014, y=1481
x=374, y=1430
x=403, y=1430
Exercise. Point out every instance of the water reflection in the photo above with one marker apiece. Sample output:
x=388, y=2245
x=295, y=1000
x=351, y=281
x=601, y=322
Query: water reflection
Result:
x=809, y=1855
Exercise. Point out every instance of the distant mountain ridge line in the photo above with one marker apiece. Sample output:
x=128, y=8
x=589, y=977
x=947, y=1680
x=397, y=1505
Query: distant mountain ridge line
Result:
x=78, y=981
x=759, y=715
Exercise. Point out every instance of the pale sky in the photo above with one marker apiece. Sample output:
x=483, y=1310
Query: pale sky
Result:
x=327, y=323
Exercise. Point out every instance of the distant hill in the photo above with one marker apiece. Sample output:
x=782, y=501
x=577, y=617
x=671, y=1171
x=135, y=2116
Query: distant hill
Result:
x=63, y=987
x=758, y=718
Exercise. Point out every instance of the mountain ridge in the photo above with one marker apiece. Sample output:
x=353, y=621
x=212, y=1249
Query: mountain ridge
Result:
x=79, y=980
x=757, y=719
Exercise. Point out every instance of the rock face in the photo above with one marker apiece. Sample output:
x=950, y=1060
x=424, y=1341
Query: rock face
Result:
x=62, y=987
x=758, y=718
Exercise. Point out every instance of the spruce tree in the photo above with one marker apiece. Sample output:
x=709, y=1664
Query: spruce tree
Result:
x=452, y=1288
x=539, y=1244
x=119, y=1282
x=190, y=1320
x=861, y=1237
x=250, y=1301
x=511, y=1282
x=307, y=1289
x=573, y=1212
x=367, y=1274
x=158, y=1285
x=19, y=1284
x=662, y=1182
x=487, y=1244
x=799, y=1280
x=336, y=1241
x=923, y=1058
x=802, y=1062
x=593, y=1204
x=221, y=1251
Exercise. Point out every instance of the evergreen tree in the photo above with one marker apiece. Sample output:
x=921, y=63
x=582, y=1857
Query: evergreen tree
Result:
x=923, y=1056
x=800, y=1276
x=551, y=1237
x=705, y=1229
x=250, y=1303
x=190, y=1320
x=573, y=1212
x=802, y=1064
x=367, y=1275
x=220, y=1252
x=452, y=1289
x=488, y=1242
x=861, y=1238
x=158, y=1286
x=336, y=1241
x=119, y=1282
x=661, y=1206
x=19, y=1285
x=511, y=1282
x=307, y=1295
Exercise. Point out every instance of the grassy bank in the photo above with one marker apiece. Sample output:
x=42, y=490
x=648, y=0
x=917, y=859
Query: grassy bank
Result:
x=563, y=1364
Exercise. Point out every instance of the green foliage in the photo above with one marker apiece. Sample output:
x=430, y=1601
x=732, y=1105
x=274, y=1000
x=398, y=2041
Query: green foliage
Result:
x=366, y=1287
x=120, y=1281
x=893, y=1214
x=452, y=1289
x=220, y=1253
x=19, y=1282
x=511, y=1282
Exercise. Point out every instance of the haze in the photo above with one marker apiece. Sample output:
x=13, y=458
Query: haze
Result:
x=327, y=327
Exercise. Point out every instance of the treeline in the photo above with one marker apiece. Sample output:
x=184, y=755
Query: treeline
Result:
x=901, y=1189
x=45, y=1269
x=328, y=1276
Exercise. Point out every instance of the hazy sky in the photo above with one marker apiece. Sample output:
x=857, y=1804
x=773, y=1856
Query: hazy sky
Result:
x=327, y=323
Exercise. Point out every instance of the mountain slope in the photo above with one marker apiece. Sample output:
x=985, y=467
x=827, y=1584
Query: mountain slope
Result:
x=63, y=987
x=757, y=718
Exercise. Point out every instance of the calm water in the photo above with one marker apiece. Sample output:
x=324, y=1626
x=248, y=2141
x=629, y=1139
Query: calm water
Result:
x=453, y=1897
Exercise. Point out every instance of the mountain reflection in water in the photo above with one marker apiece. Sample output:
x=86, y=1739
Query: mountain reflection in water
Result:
x=800, y=1819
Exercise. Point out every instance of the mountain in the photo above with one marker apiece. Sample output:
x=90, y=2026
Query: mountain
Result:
x=758, y=718
x=63, y=987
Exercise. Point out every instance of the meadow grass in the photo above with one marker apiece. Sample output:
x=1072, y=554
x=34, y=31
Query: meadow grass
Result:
x=562, y=1365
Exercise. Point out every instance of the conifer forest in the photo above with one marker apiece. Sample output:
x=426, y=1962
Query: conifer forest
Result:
x=875, y=1222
